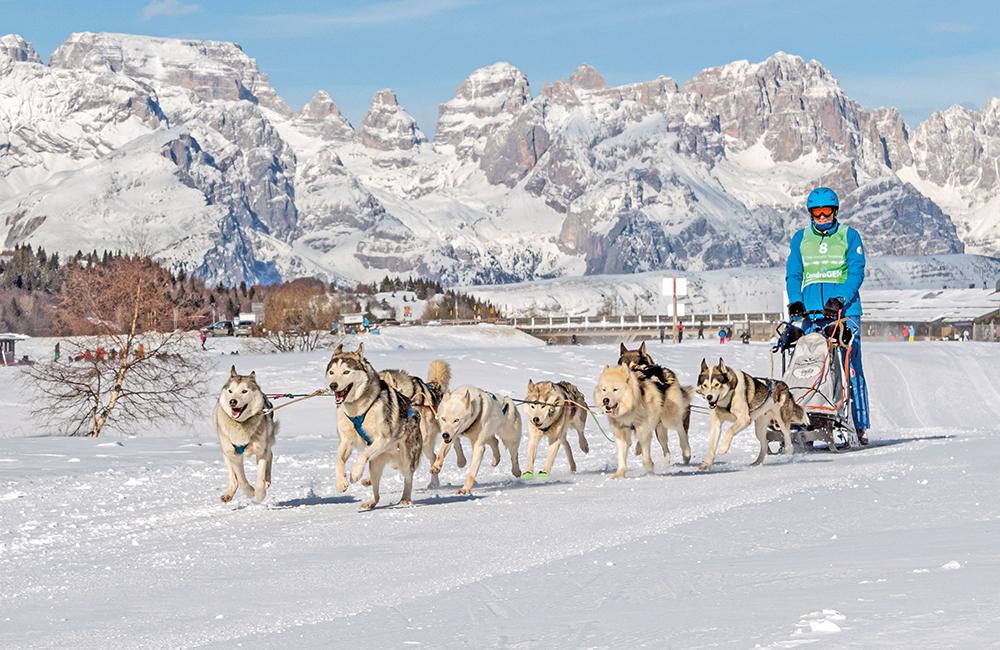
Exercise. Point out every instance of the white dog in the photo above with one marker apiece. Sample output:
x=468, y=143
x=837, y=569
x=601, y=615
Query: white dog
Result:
x=483, y=417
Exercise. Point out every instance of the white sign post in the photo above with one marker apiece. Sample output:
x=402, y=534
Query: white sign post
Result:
x=675, y=287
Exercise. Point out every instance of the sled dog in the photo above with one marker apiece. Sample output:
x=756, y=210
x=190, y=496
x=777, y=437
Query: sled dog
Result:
x=734, y=396
x=676, y=412
x=431, y=391
x=632, y=406
x=483, y=417
x=375, y=419
x=245, y=430
x=551, y=413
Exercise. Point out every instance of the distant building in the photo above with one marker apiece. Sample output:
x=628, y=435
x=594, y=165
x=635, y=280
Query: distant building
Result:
x=8, y=355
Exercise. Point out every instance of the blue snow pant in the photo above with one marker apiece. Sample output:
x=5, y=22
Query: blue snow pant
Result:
x=859, y=389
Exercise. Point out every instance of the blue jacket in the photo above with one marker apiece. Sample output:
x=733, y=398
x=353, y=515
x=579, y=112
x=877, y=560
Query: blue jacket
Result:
x=816, y=294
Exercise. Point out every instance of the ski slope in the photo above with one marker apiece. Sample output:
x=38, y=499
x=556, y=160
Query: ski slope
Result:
x=122, y=542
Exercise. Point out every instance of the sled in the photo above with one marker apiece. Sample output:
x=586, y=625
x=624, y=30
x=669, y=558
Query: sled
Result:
x=814, y=366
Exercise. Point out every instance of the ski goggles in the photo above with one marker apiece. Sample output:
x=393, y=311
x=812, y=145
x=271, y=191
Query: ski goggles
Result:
x=822, y=211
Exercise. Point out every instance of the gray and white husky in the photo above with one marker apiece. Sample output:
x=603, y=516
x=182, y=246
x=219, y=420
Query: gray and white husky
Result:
x=245, y=430
x=734, y=396
x=483, y=417
x=431, y=392
x=676, y=413
x=552, y=408
x=374, y=418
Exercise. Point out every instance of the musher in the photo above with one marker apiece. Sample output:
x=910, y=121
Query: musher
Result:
x=826, y=266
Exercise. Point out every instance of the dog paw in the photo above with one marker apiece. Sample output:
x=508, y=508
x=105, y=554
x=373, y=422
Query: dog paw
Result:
x=356, y=473
x=435, y=469
x=619, y=474
x=666, y=459
x=687, y=459
x=585, y=449
x=405, y=503
x=495, y=462
x=367, y=505
x=260, y=493
x=267, y=484
x=341, y=485
x=704, y=466
x=227, y=497
x=516, y=472
x=249, y=492
x=367, y=482
x=464, y=491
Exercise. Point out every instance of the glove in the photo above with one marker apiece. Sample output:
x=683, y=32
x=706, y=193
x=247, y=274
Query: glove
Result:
x=833, y=308
x=796, y=309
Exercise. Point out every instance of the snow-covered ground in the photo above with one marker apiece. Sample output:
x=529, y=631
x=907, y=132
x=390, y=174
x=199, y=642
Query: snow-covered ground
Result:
x=122, y=541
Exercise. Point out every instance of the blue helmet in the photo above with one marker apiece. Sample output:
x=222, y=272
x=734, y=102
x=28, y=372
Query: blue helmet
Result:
x=822, y=196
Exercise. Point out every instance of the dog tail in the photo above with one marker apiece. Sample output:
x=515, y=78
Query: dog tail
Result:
x=798, y=413
x=439, y=373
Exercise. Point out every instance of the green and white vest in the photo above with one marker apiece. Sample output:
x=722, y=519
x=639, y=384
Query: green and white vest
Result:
x=824, y=258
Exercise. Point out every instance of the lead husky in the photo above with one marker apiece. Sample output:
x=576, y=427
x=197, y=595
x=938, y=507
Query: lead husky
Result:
x=438, y=376
x=734, y=396
x=632, y=406
x=552, y=409
x=245, y=430
x=676, y=412
x=483, y=417
x=374, y=418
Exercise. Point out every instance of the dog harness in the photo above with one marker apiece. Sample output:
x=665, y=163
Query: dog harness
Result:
x=357, y=421
x=502, y=410
x=770, y=384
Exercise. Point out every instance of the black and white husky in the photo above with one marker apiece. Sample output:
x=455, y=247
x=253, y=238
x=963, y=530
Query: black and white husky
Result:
x=552, y=408
x=734, y=396
x=245, y=430
x=430, y=393
x=374, y=418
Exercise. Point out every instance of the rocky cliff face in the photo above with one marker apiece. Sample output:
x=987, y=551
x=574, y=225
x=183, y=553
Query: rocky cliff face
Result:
x=188, y=141
x=386, y=126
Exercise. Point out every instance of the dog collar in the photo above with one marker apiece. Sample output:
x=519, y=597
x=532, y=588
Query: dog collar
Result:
x=239, y=449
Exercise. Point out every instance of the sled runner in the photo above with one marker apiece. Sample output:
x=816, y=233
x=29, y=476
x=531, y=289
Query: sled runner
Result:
x=814, y=365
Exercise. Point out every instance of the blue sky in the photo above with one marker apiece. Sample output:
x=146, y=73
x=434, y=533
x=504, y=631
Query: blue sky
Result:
x=916, y=55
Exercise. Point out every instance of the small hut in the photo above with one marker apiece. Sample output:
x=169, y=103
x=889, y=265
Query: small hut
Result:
x=8, y=355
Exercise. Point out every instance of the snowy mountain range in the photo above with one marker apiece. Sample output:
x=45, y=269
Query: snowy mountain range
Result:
x=185, y=145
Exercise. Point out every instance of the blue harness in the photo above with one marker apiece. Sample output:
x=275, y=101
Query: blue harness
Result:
x=502, y=410
x=359, y=420
x=770, y=384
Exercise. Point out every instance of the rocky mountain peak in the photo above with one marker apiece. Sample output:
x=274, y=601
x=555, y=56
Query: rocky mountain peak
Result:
x=387, y=126
x=319, y=107
x=586, y=77
x=16, y=49
x=321, y=118
x=486, y=100
x=210, y=70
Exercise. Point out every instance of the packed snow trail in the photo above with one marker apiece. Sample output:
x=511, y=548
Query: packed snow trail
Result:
x=123, y=542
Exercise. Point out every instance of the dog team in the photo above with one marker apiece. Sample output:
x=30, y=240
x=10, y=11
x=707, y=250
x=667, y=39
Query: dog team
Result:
x=393, y=418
